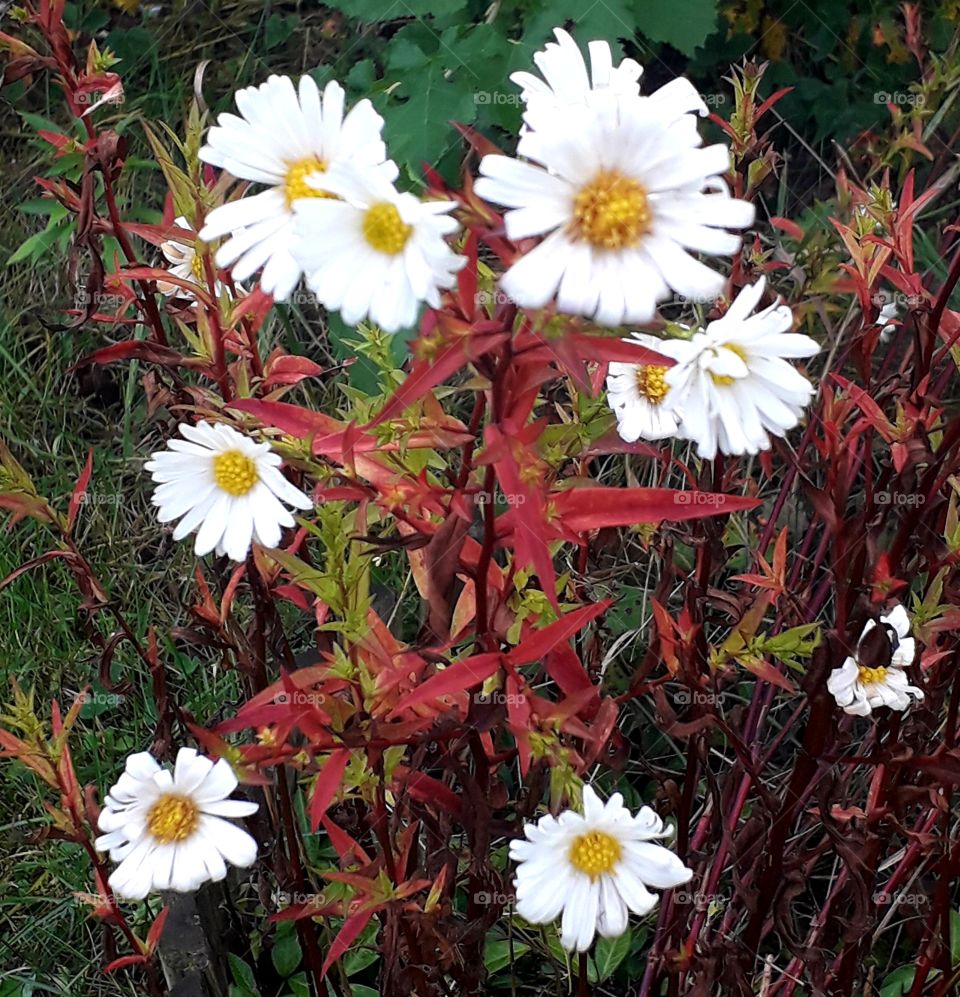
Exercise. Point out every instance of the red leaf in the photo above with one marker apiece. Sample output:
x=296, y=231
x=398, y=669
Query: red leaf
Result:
x=125, y=960
x=427, y=374
x=350, y=931
x=135, y=349
x=156, y=929
x=540, y=642
x=79, y=492
x=327, y=784
x=582, y=509
x=611, y=348
x=454, y=678
x=289, y=369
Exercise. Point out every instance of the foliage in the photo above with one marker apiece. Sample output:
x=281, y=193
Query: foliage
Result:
x=562, y=602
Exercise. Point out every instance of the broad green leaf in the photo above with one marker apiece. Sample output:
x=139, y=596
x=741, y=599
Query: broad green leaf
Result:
x=499, y=953
x=609, y=953
x=286, y=954
x=391, y=10
x=243, y=976
x=684, y=24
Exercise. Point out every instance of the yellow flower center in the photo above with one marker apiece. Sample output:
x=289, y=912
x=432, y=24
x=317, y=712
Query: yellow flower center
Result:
x=234, y=472
x=196, y=265
x=611, y=212
x=724, y=380
x=651, y=384
x=384, y=229
x=295, y=183
x=871, y=676
x=595, y=853
x=172, y=818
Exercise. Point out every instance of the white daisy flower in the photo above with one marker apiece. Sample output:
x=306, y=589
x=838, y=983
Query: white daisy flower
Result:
x=283, y=139
x=185, y=263
x=566, y=80
x=732, y=385
x=376, y=252
x=636, y=393
x=226, y=487
x=875, y=676
x=593, y=868
x=166, y=829
x=621, y=192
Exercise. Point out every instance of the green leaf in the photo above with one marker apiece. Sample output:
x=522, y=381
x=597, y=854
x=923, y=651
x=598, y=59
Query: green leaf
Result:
x=684, y=24
x=609, y=20
x=425, y=101
x=898, y=982
x=955, y=938
x=278, y=29
x=609, y=953
x=243, y=976
x=391, y=10
x=499, y=953
x=38, y=243
x=357, y=990
x=286, y=954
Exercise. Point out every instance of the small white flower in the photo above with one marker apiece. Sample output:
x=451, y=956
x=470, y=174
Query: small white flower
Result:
x=593, y=868
x=636, y=394
x=166, y=829
x=185, y=263
x=861, y=683
x=621, y=191
x=226, y=487
x=888, y=316
x=283, y=139
x=732, y=385
x=566, y=81
x=373, y=251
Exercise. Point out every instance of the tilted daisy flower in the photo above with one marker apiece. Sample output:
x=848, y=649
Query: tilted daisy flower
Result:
x=636, y=393
x=732, y=384
x=373, y=251
x=875, y=675
x=593, y=867
x=166, y=829
x=226, y=486
x=185, y=263
x=283, y=138
x=566, y=80
x=620, y=190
